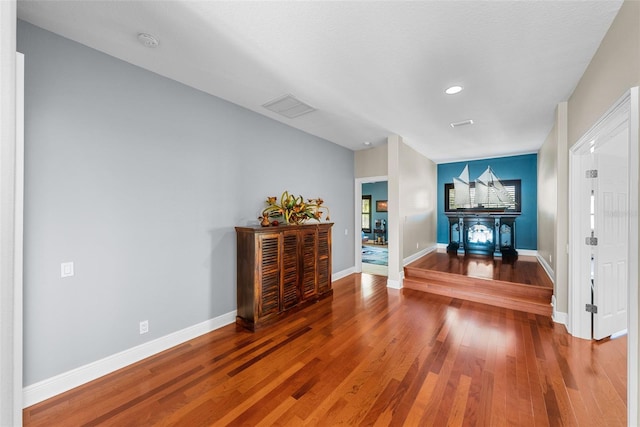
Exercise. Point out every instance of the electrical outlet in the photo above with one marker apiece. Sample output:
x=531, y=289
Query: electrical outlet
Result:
x=144, y=327
x=66, y=269
x=346, y=231
x=550, y=259
x=417, y=245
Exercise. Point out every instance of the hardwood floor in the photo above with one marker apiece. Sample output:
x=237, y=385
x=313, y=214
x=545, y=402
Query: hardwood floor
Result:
x=370, y=356
x=515, y=284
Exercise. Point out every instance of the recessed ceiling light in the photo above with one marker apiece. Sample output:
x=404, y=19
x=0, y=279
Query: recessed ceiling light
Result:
x=148, y=40
x=462, y=123
x=366, y=143
x=453, y=90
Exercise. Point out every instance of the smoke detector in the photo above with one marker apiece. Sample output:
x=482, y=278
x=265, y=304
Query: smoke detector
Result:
x=148, y=40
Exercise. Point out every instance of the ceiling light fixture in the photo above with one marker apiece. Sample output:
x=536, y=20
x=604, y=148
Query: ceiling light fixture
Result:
x=462, y=123
x=366, y=143
x=148, y=40
x=453, y=90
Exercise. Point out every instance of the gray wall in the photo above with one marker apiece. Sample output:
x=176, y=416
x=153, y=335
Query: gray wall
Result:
x=139, y=180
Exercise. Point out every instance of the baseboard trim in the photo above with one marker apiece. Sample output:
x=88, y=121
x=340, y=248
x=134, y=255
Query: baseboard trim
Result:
x=418, y=255
x=523, y=252
x=560, y=317
x=547, y=269
x=53, y=386
x=394, y=284
x=344, y=273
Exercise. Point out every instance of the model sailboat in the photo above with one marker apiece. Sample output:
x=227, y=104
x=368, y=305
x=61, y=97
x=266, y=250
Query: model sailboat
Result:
x=489, y=192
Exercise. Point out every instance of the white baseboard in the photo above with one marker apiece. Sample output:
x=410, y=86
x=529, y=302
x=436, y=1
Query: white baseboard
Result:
x=394, y=284
x=50, y=387
x=418, y=255
x=523, y=252
x=547, y=268
x=344, y=273
x=560, y=317
x=527, y=252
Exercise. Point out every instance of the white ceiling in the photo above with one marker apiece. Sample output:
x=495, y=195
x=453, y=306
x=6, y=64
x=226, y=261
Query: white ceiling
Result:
x=371, y=69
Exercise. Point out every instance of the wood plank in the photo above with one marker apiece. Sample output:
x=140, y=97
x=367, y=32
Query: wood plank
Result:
x=372, y=356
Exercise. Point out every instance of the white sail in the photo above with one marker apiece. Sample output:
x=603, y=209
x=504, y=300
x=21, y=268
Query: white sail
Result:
x=462, y=191
x=481, y=198
x=490, y=192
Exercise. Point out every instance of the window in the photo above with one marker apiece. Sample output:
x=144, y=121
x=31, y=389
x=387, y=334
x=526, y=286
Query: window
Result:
x=366, y=214
x=512, y=186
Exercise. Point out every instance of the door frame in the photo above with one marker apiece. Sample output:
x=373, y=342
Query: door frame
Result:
x=625, y=109
x=579, y=319
x=358, y=219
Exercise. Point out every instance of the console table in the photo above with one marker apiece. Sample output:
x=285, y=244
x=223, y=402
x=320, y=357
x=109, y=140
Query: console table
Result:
x=482, y=233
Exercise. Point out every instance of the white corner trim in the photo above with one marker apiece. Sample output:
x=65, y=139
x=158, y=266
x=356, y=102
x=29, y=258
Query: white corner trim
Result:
x=344, y=273
x=441, y=246
x=560, y=317
x=547, y=269
x=527, y=252
x=418, y=255
x=50, y=387
x=394, y=284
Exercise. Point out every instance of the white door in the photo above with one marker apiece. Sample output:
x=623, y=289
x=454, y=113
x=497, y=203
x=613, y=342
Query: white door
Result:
x=610, y=225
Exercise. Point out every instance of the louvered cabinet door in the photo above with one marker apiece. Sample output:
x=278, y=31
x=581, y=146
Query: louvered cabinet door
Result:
x=280, y=270
x=290, y=270
x=267, y=281
x=308, y=241
x=323, y=259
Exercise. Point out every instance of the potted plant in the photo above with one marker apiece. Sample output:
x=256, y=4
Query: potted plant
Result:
x=293, y=210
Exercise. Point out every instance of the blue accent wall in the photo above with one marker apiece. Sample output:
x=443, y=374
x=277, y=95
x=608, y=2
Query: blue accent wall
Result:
x=524, y=168
x=377, y=191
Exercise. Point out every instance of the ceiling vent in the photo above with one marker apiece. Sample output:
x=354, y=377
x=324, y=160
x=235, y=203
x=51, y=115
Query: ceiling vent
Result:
x=462, y=123
x=288, y=106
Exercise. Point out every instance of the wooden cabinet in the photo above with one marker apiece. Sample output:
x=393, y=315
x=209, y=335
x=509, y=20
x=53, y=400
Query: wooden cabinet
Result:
x=483, y=233
x=280, y=270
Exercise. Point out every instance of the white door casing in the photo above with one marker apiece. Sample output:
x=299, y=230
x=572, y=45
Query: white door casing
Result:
x=626, y=109
x=612, y=231
x=358, y=219
x=597, y=147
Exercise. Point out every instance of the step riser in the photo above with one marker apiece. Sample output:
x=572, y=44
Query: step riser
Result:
x=481, y=285
x=535, y=307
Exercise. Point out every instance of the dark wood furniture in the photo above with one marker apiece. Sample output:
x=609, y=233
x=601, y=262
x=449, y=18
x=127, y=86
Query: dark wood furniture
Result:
x=482, y=233
x=280, y=270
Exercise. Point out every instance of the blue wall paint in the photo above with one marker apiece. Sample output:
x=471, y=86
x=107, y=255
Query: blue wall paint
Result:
x=377, y=191
x=524, y=168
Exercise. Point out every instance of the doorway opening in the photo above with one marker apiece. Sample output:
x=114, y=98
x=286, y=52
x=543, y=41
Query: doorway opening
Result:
x=372, y=251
